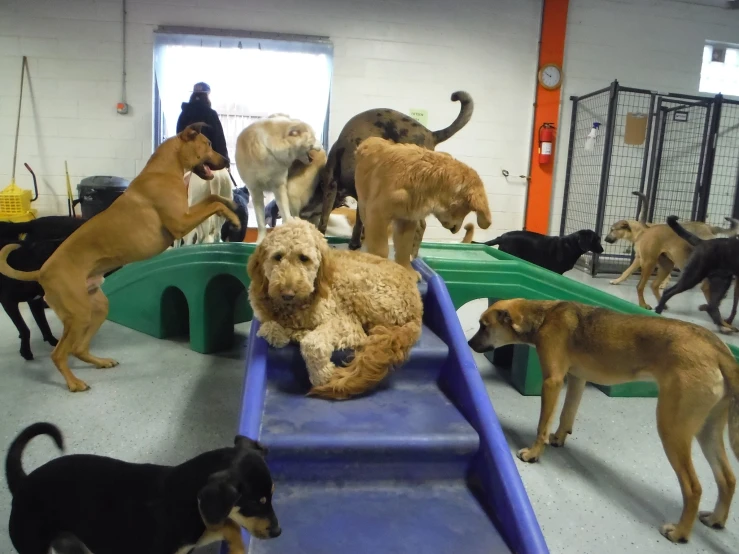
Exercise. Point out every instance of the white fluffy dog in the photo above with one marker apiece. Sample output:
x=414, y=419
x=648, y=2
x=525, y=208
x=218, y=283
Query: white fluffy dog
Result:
x=210, y=229
x=265, y=151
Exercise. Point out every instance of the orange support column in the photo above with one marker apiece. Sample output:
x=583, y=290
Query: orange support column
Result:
x=546, y=110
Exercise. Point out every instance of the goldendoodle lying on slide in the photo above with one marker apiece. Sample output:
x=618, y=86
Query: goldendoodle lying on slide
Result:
x=327, y=300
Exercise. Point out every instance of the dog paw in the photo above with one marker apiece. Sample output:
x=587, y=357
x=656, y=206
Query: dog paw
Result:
x=615, y=282
x=528, y=455
x=52, y=340
x=26, y=353
x=558, y=440
x=275, y=334
x=105, y=363
x=77, y=385
x=710, y=520
x=671, y=533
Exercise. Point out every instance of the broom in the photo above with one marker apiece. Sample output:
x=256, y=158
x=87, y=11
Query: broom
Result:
x=18, y=122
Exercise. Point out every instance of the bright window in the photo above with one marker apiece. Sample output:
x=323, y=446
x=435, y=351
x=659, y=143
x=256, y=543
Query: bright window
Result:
x=720, y=70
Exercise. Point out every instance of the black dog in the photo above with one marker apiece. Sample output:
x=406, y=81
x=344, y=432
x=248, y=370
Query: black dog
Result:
x=557, y=254
x=42, y=237
x=716, y=260
x=228, y=232
x=116, y=507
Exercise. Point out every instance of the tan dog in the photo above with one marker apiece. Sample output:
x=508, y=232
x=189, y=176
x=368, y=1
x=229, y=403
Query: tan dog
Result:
x=140, y=224
x=328, y=299
x=265, y=152
x=633, y=231
x=403, y=184
x=697, y=375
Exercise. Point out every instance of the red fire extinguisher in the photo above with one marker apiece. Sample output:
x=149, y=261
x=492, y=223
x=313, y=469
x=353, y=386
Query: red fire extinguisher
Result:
x=546, y=139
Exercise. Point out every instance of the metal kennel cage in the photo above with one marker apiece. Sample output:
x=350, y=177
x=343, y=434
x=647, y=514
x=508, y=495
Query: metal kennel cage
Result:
x=681, y=151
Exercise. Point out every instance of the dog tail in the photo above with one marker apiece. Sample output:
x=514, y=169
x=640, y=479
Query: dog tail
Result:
x=14, y=473
x=8, y=271
x=385, y=347
x=642, y=217
x=465, y=113
x=682, y=232
x=469, y=232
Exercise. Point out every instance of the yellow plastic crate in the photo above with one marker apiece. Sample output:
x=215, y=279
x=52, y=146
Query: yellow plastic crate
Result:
x=14, y=201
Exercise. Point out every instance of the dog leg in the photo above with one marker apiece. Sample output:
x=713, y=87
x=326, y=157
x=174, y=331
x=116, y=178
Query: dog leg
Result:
x=711, y=440
x=357, y=232
x=678, y=421
x=180, y=224
x=274, y=333
x=258, y=200
x=99, y=313
x=554, y=372
x=329, y=198
x=24, y=333
x=575, y=388
x=646, y=272
x=403, y=234
x=418, y=237
x=664, y=267
x=629, y=270
x=689, y=278
x=283, y=202
x=375, y=235
x=39, y=315
x=317, y=346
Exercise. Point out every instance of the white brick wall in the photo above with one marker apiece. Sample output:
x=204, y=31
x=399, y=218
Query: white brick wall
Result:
x=650, y=44
x=392, y=54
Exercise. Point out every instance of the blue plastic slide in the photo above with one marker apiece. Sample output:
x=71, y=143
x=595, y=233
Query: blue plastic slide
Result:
x=420, y=465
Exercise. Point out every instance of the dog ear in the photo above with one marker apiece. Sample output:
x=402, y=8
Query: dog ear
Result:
x=250, y=444
x=479, y=204
x=255, y=270
x=216, y=500
x=325, y=274
x=191, y=131
x=515, y=321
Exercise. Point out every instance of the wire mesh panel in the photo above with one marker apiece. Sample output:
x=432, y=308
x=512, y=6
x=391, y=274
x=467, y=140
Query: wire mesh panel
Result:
x=585, y=164
x=627, y=171
x=678, y=164
x=725, y=176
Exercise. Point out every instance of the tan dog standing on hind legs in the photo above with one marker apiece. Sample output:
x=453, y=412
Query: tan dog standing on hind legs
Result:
x=697, y=375
x=141, y=223
x=403, y=184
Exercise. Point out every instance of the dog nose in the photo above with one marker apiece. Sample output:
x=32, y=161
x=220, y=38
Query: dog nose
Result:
x=275, y=532
x=288, y=297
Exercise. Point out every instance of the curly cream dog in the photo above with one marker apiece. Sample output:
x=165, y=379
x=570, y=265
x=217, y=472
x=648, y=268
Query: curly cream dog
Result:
x=403, y=184
x=327, y=300
x=265, y=151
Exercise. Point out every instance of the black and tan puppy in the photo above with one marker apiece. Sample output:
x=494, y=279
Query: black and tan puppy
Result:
x=697, y=375
x=116, y=507
x=336, y=180
x=717, y=259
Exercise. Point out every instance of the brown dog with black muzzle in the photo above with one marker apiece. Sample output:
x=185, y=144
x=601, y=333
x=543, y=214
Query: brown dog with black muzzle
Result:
x=141, y=223
x=697, y=375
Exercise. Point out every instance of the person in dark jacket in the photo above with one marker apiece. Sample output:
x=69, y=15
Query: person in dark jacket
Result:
x=198, y=109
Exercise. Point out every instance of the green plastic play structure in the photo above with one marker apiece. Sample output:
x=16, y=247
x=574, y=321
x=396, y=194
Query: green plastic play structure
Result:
x=202, y=290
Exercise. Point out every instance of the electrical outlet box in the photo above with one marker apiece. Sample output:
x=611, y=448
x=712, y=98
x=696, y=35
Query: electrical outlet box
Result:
x=122, y=108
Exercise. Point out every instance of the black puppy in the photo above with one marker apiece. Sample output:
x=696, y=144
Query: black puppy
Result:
x=558, y=254
x=228, y=231
x=43, y=228
x=116, y=507
x=715, y=259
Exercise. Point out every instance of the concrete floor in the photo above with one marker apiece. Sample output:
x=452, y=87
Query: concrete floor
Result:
x=607, y=491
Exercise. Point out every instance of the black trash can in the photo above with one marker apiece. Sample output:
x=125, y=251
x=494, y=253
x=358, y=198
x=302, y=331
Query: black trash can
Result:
x=96, y=193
